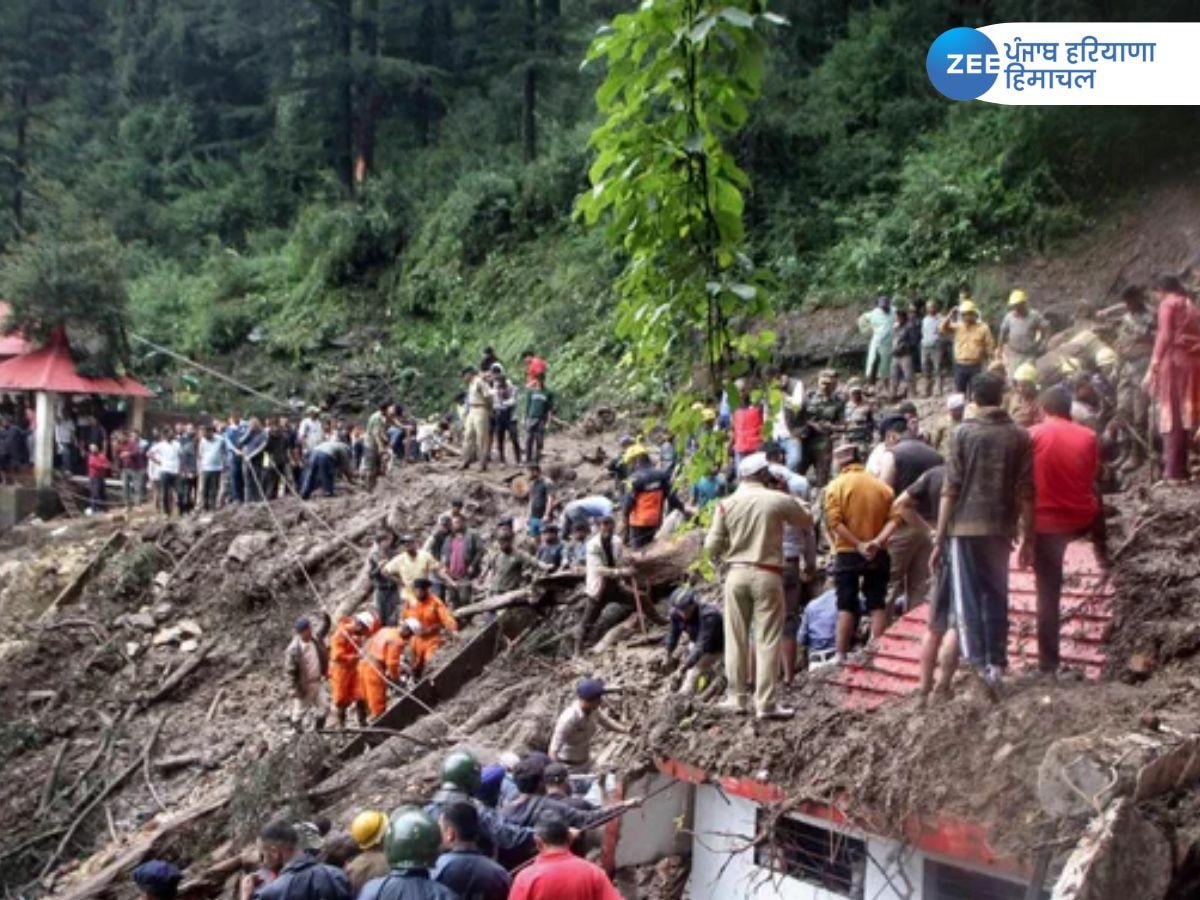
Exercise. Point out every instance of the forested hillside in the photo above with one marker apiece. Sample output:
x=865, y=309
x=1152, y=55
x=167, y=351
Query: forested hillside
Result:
x=349, y=192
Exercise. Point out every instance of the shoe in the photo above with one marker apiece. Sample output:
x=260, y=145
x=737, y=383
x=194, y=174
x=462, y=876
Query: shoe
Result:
x=775, y=712
x=737, y=705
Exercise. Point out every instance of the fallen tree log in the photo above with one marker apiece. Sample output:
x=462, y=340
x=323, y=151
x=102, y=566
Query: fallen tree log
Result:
x=177, y=677
x=289, y=567
x=666, y=561
x=75, y=587
x=143, y=848
x=519, y=597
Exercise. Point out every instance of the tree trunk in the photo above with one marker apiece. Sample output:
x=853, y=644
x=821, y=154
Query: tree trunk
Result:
x=343, y=153
x=529, y=92
x=368, y=100
x=21, y=122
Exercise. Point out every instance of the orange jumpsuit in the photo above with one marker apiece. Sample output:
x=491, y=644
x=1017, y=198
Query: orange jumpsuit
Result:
x=385, y=650
x=435, y=618
x=343, y=664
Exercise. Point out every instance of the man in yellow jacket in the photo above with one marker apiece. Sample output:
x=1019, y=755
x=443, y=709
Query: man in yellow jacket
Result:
x=973, y=343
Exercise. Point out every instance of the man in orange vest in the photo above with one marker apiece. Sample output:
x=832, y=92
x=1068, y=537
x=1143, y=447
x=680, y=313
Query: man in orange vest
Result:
x=430, y=620
x=344, y=647
x=649, y=491
x=383, y=663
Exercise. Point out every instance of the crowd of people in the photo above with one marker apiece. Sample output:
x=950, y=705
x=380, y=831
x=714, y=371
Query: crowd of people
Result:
x=518, y=829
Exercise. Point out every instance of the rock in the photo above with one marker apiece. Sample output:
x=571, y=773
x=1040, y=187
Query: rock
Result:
x=141, y=619
x=189, y=646
x=1121, y=855
x=167, y=636
x=132, y=649
x=189, y=627
x=162, y=611
x=1003, y=753
x=161, y=580
x=1141, y=665
x=246, y=547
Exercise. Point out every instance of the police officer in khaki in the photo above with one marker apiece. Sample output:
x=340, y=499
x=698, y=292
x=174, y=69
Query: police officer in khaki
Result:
x=477, y=431
x=747, y=534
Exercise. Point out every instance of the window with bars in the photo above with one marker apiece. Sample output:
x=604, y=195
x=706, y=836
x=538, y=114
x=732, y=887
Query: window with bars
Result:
x=946, y=882
x=814, y=855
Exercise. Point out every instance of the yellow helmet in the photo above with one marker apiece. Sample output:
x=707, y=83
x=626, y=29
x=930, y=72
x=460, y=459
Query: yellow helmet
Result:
x=1026, y=372
x=368, y=828
x=967, y=306
x=1017, y=297
x=1106, y=356
x=634, y=452
x=708, y=414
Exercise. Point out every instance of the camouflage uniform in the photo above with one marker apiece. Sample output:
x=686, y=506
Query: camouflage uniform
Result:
x=1134, y=344
x=822, y=415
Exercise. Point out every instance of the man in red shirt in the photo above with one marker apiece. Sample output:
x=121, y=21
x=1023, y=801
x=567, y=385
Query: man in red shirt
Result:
x=747, y=427
x=556, y=873
x=534, y=366
x=1066, y=461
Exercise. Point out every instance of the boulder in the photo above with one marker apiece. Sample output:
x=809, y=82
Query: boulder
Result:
x=248, y=546
x=1122, y=854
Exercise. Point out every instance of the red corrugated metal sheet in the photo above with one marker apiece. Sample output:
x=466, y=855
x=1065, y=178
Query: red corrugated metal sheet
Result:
x=52, y=369
x=12, y=344
x=893, y=669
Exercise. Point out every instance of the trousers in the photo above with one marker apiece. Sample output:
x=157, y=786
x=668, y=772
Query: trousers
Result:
x=1048, y=554
x=909, y=549
x=979, y=587
x=477, y=435
x=753, y=597
x=210, y=486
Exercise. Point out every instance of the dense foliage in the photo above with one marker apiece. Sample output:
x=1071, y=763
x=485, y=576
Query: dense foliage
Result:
x=326, y=192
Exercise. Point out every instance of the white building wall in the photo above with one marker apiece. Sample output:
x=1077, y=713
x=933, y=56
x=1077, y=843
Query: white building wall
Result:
x=659, y=827
x=723, y=866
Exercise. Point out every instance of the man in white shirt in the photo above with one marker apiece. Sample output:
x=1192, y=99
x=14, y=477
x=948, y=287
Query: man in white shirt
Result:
x=212, y=463
x=64, y=441
x=311, y=432
x=791, y=402
x=602, y=581
x=571, y=743
x=165, y=455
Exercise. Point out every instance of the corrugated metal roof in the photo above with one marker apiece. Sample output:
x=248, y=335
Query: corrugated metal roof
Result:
x=893, y=668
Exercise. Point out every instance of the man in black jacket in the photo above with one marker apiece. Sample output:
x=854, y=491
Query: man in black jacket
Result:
x=300, y=876
x=705, y=627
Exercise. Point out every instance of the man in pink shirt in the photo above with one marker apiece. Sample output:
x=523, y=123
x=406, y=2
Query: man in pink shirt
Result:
x=1066, y=461
x=556, y=873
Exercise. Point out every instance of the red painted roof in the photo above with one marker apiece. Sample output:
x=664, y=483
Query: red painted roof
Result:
x=893, y=669
x=12, y=344
x=52, y=369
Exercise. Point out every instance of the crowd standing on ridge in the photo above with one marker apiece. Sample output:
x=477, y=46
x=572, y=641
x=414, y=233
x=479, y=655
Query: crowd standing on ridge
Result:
x=820, y=483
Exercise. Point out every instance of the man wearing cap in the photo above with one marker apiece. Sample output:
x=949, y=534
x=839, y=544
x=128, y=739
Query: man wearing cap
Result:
x=157, y=880
x=956, y=405
x=477, y=433
x=973, y=343
x=649, y=494
x=987, y=500
x=705, y=627
x=306, y=665
x=879, y=323
x=571, y=743
x=860, y=415
x=747, y=534
x=857, y=506
x=824, y=414
x=507, y=567
x=1023, y=333
x=429, y=620
x=906, y=459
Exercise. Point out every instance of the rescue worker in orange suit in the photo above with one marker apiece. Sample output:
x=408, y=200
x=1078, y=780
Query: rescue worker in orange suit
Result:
x=349, y=637
x=383, y=663
x=430, y=619
x=649, y=492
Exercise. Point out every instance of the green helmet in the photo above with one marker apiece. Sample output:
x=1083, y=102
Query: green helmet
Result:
x=461, y=770
x=412, y=840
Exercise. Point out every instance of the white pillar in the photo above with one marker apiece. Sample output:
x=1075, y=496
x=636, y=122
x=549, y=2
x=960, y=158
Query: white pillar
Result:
x=43, y=441
x=138, y=420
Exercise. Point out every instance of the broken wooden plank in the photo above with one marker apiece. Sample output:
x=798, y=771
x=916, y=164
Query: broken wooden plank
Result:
x=75, y=587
